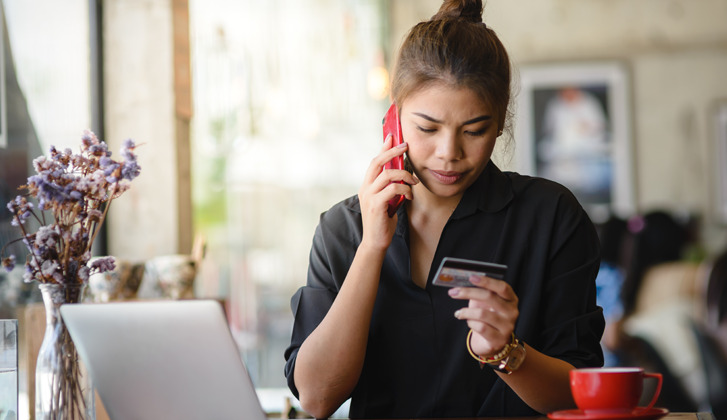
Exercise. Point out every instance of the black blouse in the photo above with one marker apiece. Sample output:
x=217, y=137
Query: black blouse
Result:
x=417, y=364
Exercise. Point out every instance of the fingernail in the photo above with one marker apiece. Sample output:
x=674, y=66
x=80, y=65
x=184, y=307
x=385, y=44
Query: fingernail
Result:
x=457, y=313
x=453, y=292
x=401, y=145
x=475, y=279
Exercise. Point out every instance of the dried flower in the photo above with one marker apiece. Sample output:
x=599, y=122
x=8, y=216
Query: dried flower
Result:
x=76, y=190
x=9, y=263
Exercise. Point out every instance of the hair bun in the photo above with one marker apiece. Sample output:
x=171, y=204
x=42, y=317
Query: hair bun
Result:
x=470, y=10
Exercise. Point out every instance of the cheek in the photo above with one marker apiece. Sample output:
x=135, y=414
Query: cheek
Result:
x=483, y=150
x=418, y=147
x=409, y=134
x=413, y=154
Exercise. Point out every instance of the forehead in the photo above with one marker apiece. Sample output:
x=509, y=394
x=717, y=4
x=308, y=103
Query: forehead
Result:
x=442, y=98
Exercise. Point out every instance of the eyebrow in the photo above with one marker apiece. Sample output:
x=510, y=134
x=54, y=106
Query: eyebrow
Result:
x=468, y=122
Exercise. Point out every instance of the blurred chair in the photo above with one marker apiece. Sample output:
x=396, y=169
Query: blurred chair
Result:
x=715, y=368
x=711, y=334
x=661, y=324
x=661, y=297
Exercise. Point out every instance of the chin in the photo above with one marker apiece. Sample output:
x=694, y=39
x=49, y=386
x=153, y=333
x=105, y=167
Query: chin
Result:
x=444, y=191
x=436, y=187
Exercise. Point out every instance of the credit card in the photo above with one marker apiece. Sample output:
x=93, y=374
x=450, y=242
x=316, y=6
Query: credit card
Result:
x=456, y=272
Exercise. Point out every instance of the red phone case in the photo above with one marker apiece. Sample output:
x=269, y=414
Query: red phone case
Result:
x=393, y=126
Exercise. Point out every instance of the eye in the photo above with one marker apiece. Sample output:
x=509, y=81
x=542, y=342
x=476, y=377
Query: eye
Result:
x=426, y=130
x=477, y=133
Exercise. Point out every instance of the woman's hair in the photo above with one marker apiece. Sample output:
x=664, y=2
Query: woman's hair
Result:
x=455, y=47
x=657, y=237
x=611, y=234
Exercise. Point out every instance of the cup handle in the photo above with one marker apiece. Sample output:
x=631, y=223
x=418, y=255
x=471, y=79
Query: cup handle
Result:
x=659, y=379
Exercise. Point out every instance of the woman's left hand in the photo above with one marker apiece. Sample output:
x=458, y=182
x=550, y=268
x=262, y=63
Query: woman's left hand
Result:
x=491, y=313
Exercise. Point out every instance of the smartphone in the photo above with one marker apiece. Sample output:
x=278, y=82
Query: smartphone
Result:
x=393, y=126
x=456, y=272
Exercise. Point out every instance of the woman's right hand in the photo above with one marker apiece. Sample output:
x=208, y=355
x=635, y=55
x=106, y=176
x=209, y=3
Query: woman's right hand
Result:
x=380, y=186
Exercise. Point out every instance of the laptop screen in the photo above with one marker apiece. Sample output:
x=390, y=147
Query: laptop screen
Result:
x=163, y=359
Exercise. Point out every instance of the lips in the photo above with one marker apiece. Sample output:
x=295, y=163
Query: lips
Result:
x=447, y=177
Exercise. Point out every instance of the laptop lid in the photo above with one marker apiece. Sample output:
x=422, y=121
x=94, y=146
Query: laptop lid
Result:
x=163, y=360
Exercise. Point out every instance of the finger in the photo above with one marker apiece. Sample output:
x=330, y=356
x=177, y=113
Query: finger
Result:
x=387, y=142
x=487, y=300
x=398, y=175
x=395, y=189
x=387, y=153
x=487, y=316
x=500, y=287
x=374, y=168
x=488, y=341
x=492, y=325
x=393, y=176
x=381, y=191
x=497, y=337
x=502, y=291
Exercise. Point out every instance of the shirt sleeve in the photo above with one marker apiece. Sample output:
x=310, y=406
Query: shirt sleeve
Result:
x=573, y=323
x=334, y=244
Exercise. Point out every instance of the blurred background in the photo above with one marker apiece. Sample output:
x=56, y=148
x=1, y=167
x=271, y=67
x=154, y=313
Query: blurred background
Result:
x=256, y=116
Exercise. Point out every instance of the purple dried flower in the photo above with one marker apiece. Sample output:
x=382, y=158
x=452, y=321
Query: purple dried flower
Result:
x=29, y=274
x=47, y=236
x=74, y=188
x=49, y=268
x=88, y=139
x=21, y=209
x=103, y=264
x=108, y=167
x=83, y=273
x=99, y=150
x=9, y=263
x=130, y=170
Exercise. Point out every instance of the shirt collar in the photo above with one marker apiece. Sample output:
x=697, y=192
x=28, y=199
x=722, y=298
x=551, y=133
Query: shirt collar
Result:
x=490, y=193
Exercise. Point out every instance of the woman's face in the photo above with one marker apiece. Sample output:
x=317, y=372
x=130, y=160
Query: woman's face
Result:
x=451, y=134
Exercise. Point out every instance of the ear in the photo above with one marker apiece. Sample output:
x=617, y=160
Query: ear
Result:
x=501, y=125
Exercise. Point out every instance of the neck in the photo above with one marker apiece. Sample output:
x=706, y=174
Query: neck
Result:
x=429, y=205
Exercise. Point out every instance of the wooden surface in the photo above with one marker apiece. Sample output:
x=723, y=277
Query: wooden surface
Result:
x=670, y=416
x=31, y=327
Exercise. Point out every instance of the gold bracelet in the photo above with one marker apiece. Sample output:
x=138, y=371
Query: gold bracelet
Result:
x=496, y=358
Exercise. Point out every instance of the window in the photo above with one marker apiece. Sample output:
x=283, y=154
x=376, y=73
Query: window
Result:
x=47, y=102
x=289, y=97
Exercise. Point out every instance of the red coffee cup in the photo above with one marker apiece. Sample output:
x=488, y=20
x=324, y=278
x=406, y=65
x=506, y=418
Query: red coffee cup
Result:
x=611, y=390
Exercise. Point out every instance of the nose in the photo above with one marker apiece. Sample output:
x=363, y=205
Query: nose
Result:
x=449, y=147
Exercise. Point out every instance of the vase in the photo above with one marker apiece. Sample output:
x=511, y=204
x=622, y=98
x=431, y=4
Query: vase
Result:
x=63, y=388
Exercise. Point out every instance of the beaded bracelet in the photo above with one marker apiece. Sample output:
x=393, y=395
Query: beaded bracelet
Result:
x=496, y=358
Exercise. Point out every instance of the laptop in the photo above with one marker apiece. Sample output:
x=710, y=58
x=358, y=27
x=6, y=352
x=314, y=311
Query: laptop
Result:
x=163, y=360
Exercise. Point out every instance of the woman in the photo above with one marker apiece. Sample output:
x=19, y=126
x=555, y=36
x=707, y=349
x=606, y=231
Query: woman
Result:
x=370, y=325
